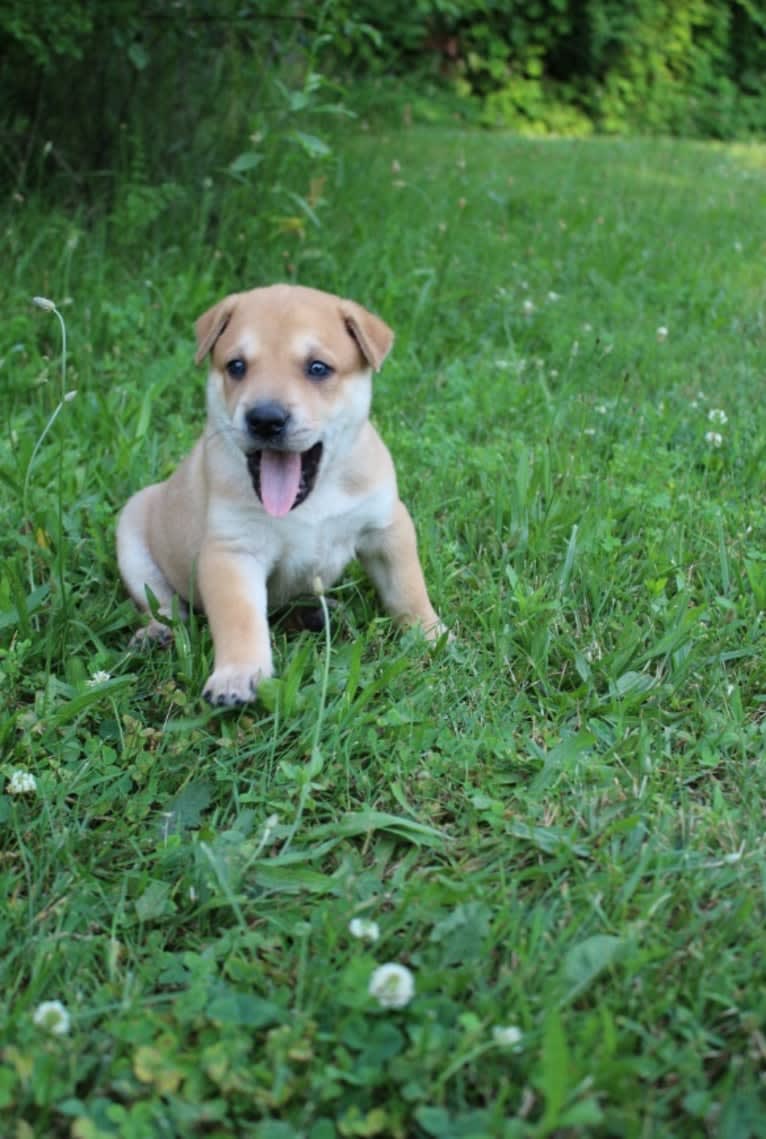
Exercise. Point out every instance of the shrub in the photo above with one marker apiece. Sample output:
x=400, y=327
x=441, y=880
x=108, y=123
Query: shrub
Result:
x=85, y=85
x=679, y=66
x=88, y=89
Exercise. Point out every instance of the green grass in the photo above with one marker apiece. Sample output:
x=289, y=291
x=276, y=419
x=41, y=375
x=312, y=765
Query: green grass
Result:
x=556, y=820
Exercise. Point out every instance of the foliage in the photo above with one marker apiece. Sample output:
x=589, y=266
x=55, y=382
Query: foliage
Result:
x=554, y=66
x=556, y=821
x=89, y=90
x=129, y=105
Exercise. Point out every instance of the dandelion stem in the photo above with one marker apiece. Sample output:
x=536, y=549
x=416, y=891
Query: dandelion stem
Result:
x=325, y=674
x=35, y=451
x=65, y=397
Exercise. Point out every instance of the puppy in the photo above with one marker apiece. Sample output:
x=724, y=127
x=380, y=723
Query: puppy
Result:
x=288, y=483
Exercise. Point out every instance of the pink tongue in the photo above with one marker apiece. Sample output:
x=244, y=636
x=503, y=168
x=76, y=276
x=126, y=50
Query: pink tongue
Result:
x=280, y=479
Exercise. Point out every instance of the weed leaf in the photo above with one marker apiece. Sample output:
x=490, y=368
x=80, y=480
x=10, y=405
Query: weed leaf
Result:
x=588, y=959
x=236, y=1008
x=184, y=811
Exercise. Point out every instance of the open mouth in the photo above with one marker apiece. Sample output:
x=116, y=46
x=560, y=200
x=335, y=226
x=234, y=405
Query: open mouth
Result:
x=283, y=479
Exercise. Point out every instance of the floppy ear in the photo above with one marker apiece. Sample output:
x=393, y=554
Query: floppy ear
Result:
x=211, y=324
x=373, y=337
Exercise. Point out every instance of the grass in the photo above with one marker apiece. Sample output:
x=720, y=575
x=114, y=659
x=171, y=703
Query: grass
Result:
x=557, y=820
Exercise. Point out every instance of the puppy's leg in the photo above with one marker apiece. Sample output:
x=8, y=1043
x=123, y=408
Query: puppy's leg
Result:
x=138, y=567
x=233, y=591
x=390, y=556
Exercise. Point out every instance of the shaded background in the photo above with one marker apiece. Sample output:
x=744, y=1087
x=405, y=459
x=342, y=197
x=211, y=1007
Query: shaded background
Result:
x=91, y=93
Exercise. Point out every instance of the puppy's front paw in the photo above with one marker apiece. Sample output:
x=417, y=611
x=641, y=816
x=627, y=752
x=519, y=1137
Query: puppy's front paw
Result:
x=231, y=685
x=155, y=633
x=436, y=629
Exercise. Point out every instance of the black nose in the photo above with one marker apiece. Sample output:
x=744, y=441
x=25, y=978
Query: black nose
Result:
x=267, y=419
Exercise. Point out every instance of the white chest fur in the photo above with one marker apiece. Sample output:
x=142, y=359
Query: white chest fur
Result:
x=322, y=552
x=316, y=540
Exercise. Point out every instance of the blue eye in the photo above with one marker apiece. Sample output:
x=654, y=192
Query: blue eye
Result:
x=318, y=370
x=236, y=368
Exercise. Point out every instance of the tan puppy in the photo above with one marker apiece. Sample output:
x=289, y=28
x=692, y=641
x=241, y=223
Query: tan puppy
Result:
x=288, y=483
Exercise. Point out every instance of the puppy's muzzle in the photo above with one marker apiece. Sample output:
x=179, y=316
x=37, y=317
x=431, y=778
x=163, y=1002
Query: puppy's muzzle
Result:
x=282, y=477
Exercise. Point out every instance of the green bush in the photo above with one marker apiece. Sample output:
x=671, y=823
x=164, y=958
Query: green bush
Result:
x=677, y=66
x=85, y=87
x=45, y=32
x=89, y=92
x=657, y=65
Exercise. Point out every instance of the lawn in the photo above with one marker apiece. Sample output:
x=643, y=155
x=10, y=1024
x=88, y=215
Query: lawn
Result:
x=556, y=820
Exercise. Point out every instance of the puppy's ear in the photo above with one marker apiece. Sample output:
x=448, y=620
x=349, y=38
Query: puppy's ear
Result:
x=373, y=337
x=211, y=324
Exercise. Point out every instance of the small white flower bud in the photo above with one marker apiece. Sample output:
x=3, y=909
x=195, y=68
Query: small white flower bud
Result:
x=364, y=929
x=44, y=303
x=508, y=1036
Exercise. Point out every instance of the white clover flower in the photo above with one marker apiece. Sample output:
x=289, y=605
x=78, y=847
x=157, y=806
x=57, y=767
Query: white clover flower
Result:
x=508, y=1036
x=53, y=1016
x=589, y=431
x=528, y=307
x=99, y=677
x=662, y=334
x=600, y=409
x=713, y=438
x=717, y=415
x=553, y=297
x=393, y=986
x=364, y=929
x=21, y=783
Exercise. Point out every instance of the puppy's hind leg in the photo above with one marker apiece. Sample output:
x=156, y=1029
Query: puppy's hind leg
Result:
x=139, y=569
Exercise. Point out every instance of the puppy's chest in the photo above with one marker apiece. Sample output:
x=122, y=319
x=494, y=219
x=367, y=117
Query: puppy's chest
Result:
x=320, y=551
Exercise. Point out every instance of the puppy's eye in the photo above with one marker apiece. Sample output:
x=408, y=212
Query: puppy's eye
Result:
x=318, y=370
x=236, y=368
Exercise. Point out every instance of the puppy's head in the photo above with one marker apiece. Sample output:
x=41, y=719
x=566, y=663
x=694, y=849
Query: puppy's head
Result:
x=290, y=382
